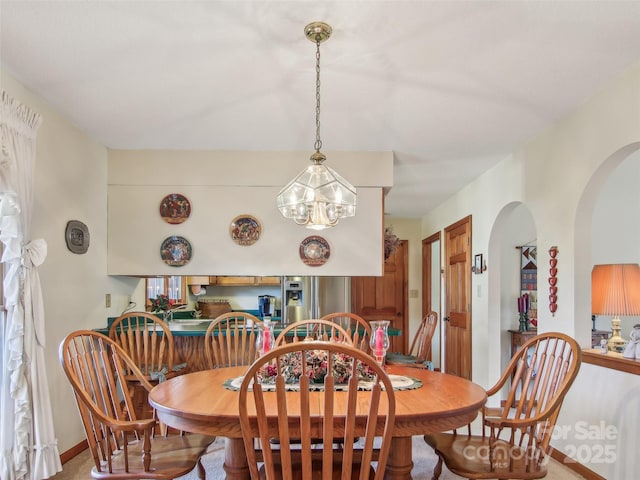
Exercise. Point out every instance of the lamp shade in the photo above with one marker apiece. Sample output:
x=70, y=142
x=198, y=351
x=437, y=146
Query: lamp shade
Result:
x=615, y=289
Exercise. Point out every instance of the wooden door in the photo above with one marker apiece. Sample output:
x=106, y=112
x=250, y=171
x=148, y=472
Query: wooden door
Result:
x=385, y=298
x=457, y=312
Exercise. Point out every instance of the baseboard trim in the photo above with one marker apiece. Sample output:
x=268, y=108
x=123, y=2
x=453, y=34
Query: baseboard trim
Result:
x=571, y=464
x=73, y=451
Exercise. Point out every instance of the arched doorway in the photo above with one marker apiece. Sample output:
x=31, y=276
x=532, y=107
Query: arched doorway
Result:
x=513, y=228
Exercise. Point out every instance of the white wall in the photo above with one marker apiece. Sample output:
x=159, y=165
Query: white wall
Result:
x=70, y=184
x=552, y=176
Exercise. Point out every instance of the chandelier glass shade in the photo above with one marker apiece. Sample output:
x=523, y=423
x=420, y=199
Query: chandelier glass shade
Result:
x=318, y=197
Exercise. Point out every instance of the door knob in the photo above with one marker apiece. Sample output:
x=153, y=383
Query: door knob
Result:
x=446, y=319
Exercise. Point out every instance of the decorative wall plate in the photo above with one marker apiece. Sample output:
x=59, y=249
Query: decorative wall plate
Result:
x=314, y=251
x=176, y=251
x=175, y=208
x=77, y=237
x=245, y=230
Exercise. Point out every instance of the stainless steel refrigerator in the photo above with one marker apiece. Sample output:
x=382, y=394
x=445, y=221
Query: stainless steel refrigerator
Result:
x=313, y=296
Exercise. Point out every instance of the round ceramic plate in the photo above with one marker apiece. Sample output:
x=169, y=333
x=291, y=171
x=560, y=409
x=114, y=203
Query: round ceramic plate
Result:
x=176, y=251
x=245, y=230
x=314, y=251
x=77, y=236
x=175, y=208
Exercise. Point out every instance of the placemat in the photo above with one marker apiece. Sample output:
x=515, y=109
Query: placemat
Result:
x=399, y=382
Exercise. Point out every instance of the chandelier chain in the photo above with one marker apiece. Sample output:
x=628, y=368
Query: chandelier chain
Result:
x=318, y=144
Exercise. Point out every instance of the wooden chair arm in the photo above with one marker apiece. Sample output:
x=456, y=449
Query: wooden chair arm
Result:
x=506, y=375
x=517, y=423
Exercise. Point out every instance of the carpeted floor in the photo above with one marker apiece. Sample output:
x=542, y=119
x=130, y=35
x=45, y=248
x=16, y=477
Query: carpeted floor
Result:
x=423, y=457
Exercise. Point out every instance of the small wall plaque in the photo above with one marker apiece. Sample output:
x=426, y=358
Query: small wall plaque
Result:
x=77, y=237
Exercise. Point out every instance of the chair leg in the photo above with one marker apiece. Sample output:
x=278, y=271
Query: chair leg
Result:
x=201, y=471
x=437, y=470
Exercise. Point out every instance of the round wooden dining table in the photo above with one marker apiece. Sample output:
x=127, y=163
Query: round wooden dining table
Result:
x=200, y=402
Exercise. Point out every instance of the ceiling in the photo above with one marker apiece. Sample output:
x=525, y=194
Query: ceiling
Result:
x=450, y=87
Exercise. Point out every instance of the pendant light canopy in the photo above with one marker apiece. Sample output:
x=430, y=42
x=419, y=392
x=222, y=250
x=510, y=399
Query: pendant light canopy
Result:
x=318, y=197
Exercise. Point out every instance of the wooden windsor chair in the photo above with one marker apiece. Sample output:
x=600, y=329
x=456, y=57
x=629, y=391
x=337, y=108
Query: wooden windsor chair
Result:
x=122, y=445
x=420, y=351
x=296, y=420
x=315, y=329
x=514, y=442
x=148, y=341
x=357, y=327
x=230, y=340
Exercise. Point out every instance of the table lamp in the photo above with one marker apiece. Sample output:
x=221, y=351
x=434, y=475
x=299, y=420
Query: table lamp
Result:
x=615, y=290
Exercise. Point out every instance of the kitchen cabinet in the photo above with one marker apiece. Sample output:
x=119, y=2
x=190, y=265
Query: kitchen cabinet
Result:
x=233, y=281
x=236, y=281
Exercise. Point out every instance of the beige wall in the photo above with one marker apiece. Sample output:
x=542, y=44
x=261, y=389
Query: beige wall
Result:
x=70, y=184
x=222, y=185
x=556, y=176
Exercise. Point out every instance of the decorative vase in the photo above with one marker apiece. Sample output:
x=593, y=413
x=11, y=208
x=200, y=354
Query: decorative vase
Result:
x=524, y=322
x=167, y=316
x=379, y=341
x=265, y=340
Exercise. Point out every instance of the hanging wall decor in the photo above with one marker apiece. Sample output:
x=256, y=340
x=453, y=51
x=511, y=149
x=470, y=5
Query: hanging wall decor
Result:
x=314, y=251
x=553, y=280
x=245, y=230
x=529, y=281
x=77, y=237
x=176, y=251
x=175, y=208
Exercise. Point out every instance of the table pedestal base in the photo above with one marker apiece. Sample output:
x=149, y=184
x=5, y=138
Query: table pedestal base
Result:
x=400, y=462
x=235, y=460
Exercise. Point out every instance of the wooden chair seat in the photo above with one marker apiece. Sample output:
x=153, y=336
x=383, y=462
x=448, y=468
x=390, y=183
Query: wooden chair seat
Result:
x=466, y=454
x=173, y=457
x=515, y=438
x=316, y=472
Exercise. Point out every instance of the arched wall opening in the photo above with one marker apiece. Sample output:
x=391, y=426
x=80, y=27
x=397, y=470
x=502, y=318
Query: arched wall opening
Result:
x=607, y=227
x=514, y=226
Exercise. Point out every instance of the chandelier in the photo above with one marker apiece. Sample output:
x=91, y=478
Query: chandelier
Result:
x=318, y=197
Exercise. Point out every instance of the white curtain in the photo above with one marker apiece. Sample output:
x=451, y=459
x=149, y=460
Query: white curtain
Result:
x=28, y=446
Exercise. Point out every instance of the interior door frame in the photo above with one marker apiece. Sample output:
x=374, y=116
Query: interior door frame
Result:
x=427, y=284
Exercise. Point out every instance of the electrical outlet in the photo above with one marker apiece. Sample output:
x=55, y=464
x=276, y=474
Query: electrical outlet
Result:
x=107, y=300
